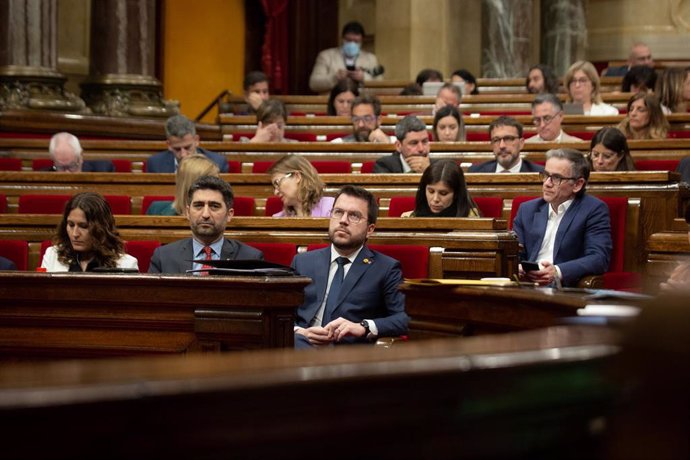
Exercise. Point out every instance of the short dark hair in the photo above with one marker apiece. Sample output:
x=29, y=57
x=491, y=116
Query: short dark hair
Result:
x=343, y=86
x=549, y=98
x=641, y=76
x=369, y=100
x=408, y=124
x=427, y=74
x=580, y=167
x=252, y=78
x=468, y=77
x=213, y=183
x=179, y=126
x=363, y=194
x=269, y=110
x=506, y=121
x=353, y=27
x=551, y=83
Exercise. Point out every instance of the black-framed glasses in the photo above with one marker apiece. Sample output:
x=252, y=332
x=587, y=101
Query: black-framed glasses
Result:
x=367, y=119
x=353, y=217
x=546, y=119
x=277, y=182
x=507, y=139
x=556, y=179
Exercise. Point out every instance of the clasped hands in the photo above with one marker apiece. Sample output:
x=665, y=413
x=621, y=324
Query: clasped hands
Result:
x=332, y=332
x=543, y=277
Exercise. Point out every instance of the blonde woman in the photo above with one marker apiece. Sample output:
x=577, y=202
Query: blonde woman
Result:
x=583, y=85
x=645, y=119
x=191, y=168
x=300, y=188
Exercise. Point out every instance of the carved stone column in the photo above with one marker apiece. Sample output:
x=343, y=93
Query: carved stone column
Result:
x=506, y=38
x=121, y=81
x=564, y=33
x=28, y=58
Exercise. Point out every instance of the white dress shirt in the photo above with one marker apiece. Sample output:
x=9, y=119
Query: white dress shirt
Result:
x=552, y=224
x=514, y=169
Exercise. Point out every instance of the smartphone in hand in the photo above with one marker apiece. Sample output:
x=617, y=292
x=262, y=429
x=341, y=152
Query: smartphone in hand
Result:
x=529, y=266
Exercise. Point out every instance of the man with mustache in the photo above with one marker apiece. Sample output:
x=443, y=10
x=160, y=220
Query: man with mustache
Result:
x=507, y=142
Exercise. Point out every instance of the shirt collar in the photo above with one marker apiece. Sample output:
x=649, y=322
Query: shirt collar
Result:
x=514, y=169
x=351, y=257
x=562, y=208
x=198, y=247
x=406, y=168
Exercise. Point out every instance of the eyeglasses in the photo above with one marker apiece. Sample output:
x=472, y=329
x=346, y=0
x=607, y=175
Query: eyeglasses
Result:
x=506, y=139
x=353, y=217
x=71, y=167
x=606, y=156
x=365, y=119
x=546, y=119
x=579, y=81
x=277, y=182
x=556, y=179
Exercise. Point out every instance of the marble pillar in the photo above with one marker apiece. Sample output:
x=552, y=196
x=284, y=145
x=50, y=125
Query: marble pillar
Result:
x=564, y=33
x=121, y=79
x=506, y=38
x=28, y=58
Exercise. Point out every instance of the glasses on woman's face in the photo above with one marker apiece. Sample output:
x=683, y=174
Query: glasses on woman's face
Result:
x=606, y=156
x=579, y=81
x=277, y=182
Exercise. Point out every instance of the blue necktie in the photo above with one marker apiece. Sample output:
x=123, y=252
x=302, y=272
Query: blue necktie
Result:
x=336, y=284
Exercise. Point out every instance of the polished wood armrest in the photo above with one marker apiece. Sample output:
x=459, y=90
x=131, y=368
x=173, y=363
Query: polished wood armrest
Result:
x=591, y=282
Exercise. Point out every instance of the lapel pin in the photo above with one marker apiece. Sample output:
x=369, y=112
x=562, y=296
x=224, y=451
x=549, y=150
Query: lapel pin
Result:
x=367, y=261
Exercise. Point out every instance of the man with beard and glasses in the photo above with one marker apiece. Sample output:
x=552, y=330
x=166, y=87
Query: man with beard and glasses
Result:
x=209, y=210
x=507, y=142
x=547, y=116
x=354, y=296
x=366, y=117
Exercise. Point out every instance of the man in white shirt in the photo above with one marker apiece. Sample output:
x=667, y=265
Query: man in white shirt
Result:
x=547, y=116
x=566, y=232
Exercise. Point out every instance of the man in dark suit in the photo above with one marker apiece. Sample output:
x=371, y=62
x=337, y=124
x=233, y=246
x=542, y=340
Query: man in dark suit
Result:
x=7, y=264
x=566, y=231
x=209, y=210
x=354, y=295
x=65, y=151
x=507, y=142
x=640, y=54
x=182, y=141
x=412, y=145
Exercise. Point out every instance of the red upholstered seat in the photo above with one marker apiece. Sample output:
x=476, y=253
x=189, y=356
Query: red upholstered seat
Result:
x=3, y=204
x=234, y=166
x=656, y=165
x=477, y=136
x=17, y=251
x=279, y=253
x=368, y=167
x=260, y=167
x=42, y=204
x=142, y=250
x=41, y=164
x=517, y=201
x=616, y=278
x=331, y=136
x=302, y=137
x=148, y=199
x=122, y=166
x=400, y=204
x=490, y=206
x=119, y=204
x=273, y=205
x=45, y=244
x=10, y=164
x=414, y=259
x=244, y=206
x=332, y=167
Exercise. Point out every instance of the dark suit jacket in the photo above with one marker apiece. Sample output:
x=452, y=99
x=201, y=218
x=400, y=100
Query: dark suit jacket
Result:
x=388, y=164
x=7, y=264
x=93, y=166
x=369, y=291
x=164, y=162
x=177, y=257
x=684, y=169
x=617, y=71
x=583, y=240
x=490, y=166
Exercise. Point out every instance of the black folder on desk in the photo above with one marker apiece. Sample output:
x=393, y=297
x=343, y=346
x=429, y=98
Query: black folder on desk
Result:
x=242, y=267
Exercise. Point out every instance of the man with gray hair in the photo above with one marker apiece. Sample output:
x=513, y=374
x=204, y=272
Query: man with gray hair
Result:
x=547, y=116
x=412, y=145
x=65, y=151
x=182, y=141
x=566, y=234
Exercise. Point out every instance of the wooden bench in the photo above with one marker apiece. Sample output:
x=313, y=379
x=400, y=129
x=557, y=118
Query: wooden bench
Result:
x=666, y=249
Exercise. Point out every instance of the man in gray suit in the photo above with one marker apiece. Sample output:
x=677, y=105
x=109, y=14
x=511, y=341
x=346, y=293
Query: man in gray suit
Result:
x=547, y=116
x=209, y=210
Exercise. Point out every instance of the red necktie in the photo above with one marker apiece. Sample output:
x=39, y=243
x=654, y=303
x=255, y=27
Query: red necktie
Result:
x=209, y=252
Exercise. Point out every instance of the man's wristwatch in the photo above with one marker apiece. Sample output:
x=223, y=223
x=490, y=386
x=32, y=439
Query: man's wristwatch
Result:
x=367, y=331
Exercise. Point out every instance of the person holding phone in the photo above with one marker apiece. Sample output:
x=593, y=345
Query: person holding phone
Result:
x=566, y=234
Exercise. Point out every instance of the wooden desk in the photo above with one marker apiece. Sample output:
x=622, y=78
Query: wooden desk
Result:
x=48, y=315
x=665, y=250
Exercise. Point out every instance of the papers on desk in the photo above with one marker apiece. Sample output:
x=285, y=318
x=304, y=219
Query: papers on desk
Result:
x=618, y=311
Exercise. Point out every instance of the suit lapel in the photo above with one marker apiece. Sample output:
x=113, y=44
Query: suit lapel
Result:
x=565, y=223
x=358, y=269
x=228, y=252
x=187, y=256
x=321, y=278
x=540, y=219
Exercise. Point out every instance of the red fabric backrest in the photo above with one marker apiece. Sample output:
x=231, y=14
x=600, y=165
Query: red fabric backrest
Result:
x=148, y=199
x=142, y=250
x=618, y=212
x=517, y=201
x=314, y=246
x=42, y=204
x=260, y=167
x=679, y=134
x=584, y=135
x=477, y=136
x=656, y=165
x=273, y=205
x=413, y=259
x=244, y=206
x=45, y=244
x=122, y=166
x=119, y=204
x=302, y=137
x=400, y=204
x=331, y=136
x=17, y=251
x=368, y=167
x=490, y=206
x=10, y=164
x=332, y=167
x=279, y=253
x=234, y=166
x=41, y=164
x=3, y=204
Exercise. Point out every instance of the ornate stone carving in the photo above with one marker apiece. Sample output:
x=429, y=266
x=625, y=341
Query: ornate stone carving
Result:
x=36, y=88
x=127, y=95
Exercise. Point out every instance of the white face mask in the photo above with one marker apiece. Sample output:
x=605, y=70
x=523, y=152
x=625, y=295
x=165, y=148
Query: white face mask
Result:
x=350, y=49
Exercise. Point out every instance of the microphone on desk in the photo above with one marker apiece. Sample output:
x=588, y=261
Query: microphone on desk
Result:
x=376, y=71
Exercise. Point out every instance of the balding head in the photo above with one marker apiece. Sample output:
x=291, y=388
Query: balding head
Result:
x=640, y=54
x=65, y=151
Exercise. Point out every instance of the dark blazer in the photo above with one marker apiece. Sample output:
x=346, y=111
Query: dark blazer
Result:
x=164, y=162
x=583, y=241
x=490, y=166
x=369, y=291
x=390, y=164
x=7, y=264
x=617, y=71
x=684, y=169
x=177, y=257
x=93, y=166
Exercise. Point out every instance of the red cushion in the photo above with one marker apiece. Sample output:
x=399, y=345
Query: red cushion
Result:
x=119, y=204
x=279, y=253
x=517, y=201
x=332, y=167
x=400, y=204
x=413, y=259
x=490, y=206
x=42, y=204
x=10, y=164
x=477, y=136
x=618, y=212
x=142, y=250
x=3, y=204
x=368, y=167
x=244, y=206
x=148, y=199
x=260, y=167
x=45, y=244
x=41, y=164
x=234, y=166
x=273, y=205
x=122, y=166
x=17, y=251
x=656, y=165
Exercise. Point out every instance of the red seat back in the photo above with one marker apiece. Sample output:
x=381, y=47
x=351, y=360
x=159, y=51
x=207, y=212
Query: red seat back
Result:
x=10, y=164
x=618, y=212
x=279, y=253
x=45, y=244
x=234, y=166
x=17, y=251
x=122, y=166
x=244, y=206
x=260, y=167
x=368, y=167
x=400, y=204
x=273, y=205
x=119, y=204
x=148, y=199
x=41, y=164
x=656, y=165
x=490, y=206
x=3, y=204
x=42, y=204
x=517, y=201
x=332, y=167
x=414, y=259
x=142, y=250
